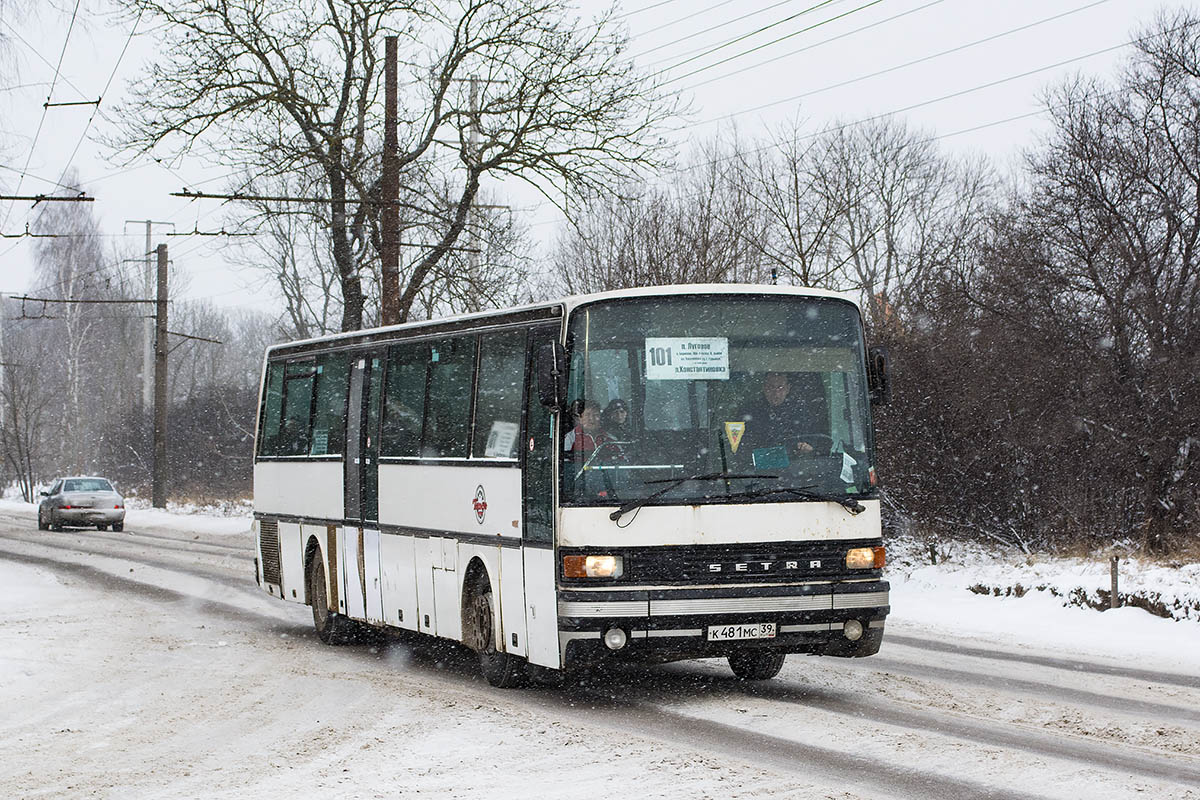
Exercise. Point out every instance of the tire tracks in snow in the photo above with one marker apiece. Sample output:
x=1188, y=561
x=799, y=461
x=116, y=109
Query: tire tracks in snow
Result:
x=656, y=718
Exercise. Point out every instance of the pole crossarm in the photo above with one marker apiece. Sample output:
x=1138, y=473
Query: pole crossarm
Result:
x=95, y=102
x=30, y=234
x=197, y=338
x=79, y=301
x=40, y=198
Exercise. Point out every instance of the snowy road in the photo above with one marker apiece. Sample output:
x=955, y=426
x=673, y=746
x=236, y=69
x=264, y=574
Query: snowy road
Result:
x=147, y=664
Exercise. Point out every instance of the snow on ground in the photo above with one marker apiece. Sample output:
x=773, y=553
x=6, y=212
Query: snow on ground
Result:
x=935, y=600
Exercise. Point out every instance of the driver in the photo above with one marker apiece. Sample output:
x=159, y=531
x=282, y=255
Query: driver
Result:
x=777, y=418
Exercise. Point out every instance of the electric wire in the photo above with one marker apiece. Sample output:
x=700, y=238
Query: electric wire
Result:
x=707, y=50
x=45, y=109
x=709, y=29
x=812, y=46
x=765, y=45
x=905, y=65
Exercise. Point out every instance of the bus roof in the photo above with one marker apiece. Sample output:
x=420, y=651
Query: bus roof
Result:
x=565, y=305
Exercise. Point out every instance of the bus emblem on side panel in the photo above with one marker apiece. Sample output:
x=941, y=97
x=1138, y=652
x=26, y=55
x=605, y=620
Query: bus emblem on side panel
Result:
x=480, y=504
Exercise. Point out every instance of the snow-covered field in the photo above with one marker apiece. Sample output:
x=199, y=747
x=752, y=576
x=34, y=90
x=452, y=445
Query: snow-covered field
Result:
x=199, y=685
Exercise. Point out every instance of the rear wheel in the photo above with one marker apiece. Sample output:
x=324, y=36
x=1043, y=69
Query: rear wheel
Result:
x=331, y=627
x=502, y=670
x=756, y=665
x=43, y=525
x=55, y=525
x=118, y=526
x=101, y=526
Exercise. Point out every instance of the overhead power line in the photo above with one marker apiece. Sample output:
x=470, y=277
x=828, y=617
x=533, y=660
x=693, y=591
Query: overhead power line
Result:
x=755, y=49
x=914, y=62
x=710, y=29
x=814, y=45
x=707, y=51
x=49, y=94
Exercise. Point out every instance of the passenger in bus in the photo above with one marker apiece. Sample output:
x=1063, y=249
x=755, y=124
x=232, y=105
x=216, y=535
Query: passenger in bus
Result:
x=614, y=424
x=582, y=438
x=778, y=418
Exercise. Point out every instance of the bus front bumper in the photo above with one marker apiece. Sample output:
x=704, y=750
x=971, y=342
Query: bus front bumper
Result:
x=837, y=619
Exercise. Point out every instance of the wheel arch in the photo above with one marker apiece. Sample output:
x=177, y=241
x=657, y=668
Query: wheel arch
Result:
x=313, y=550
x=475, y=572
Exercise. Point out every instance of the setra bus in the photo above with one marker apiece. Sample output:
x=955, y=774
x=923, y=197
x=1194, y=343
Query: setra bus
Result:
x=650, y=474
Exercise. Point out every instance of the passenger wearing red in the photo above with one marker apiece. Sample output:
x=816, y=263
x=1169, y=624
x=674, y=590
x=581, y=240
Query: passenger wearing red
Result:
x=583, y=437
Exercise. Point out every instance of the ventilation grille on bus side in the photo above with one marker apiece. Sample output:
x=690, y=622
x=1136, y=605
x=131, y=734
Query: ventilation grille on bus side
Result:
x=268, y=541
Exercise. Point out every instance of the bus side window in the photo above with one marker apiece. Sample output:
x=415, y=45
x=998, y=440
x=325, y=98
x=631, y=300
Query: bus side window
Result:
x=404, y=400
x=329, y=420
x=498, y=395
x=448, y=414
x=272, y=411
x=295, y=429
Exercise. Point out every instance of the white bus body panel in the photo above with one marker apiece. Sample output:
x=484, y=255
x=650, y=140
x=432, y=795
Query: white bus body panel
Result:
x=541, y=607
x=374, y=593
x=291, y=561
x=299, y=489
x=443, y=498
x=430, y=501
x=717, y=524
x=398, y=574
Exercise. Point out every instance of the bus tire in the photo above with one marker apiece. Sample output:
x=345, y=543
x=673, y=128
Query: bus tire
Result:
x=502, y=670
x=756, y=665
x=332, y=627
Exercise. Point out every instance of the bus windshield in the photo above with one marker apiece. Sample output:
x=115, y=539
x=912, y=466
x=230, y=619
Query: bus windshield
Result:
x=758, y=399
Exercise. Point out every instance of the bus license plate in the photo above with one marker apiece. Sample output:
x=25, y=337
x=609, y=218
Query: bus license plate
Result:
x=728, y=633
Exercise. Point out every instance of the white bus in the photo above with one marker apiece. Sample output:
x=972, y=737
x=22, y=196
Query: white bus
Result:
x=474, y=478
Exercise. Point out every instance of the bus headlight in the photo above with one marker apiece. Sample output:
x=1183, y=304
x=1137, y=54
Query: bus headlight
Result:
x=593, y=566
x=865, y=558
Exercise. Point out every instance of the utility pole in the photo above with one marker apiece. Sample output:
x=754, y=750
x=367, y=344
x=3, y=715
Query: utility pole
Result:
x=148, y=324
x=390, y=223
x=159, y=490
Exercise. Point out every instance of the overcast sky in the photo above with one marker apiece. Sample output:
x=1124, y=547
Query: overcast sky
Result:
x=753, y=64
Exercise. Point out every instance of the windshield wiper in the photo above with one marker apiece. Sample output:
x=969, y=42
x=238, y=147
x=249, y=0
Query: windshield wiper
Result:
x=672, y=483
x=805, y=493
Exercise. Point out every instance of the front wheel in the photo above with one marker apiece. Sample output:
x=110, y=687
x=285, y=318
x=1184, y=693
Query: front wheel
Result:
x=502, y=670
x=756, y=665
x=331, y=627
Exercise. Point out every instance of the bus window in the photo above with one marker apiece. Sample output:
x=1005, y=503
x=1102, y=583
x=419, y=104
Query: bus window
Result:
x=448, y=414
x=297, y=408
x=272, y=411
x=498, y=395
x=404, y=404
x=329, y=419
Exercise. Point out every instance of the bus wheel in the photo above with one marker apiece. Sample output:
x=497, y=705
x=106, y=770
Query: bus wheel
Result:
x=756, y=665
x=502, y=670
x=332, y=628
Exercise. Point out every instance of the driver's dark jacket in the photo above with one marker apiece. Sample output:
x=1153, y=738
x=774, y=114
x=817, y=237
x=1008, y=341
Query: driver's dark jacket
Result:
x=768, y=425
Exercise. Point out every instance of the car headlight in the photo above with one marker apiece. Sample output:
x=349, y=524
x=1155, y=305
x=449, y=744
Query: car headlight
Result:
x=593, y=566
x=865, y=558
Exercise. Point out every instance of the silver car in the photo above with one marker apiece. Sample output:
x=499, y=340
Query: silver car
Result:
x=82, y=501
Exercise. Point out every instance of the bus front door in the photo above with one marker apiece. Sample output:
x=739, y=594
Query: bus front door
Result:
x=537, y=545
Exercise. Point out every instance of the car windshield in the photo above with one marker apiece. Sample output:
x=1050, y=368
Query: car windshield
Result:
x=87, y=485
x=758, y=395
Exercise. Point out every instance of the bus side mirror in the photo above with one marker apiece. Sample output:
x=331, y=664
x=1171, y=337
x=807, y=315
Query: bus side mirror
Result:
x=879, y=380
x=551, y=374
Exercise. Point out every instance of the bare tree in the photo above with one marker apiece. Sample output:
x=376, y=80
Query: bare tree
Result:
x=282, y=89
x=701, y=228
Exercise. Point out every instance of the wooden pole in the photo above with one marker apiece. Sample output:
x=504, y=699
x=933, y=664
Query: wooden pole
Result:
x=159, y=491
x=390, y=222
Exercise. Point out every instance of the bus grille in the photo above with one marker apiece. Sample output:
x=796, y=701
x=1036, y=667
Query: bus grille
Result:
x=268, y=543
